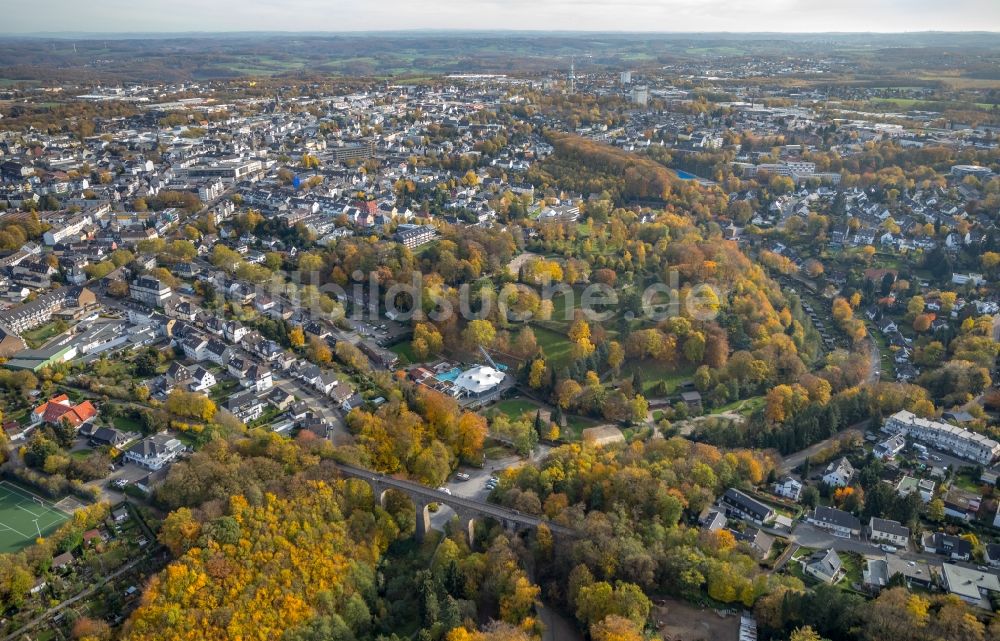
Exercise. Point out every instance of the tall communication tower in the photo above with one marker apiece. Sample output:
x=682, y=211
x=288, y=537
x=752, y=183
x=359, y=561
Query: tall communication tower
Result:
x=572, y=78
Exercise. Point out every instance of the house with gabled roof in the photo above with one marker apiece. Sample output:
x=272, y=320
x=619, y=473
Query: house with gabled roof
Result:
x=155, y=451
x=194, y=347
x=840, y=523
x=825, y=565
x=949, y=545
x=739, y=505
x=60, y=409
x=201, y=380
x=217, y=352
x=246, y=406
x=838, y=473
x=889, y=531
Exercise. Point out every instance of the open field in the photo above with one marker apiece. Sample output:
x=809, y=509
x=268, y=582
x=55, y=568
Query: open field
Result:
x=924, y=105
x=515, y=407
x=557, y=346
x=652, y=372
x=38, y=336
x=405, y=353
x=24, y=516
x=682, y=621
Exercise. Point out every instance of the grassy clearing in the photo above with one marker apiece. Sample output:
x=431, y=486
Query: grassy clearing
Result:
x=37, y=337
x=405, y=353
x=494, y=450
x=127, y=424
x=515, y=407
x=223, y=389
x=746, y=407
x=652, y=372
x=557, y=346
x=573, y=431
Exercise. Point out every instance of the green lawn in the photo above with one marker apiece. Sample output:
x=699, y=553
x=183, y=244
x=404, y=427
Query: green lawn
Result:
x=405, y=353
x=575, y=425
x=967, y=482
x=652, y=372
x=557, y=346
x=81, y=454
x=853, y=566
x=494, y=450
x=224, y=389
x=267, y=417
x=746, y=407
x=560, y=302
x=127, y=424
x=38, y=336
x=515, y=407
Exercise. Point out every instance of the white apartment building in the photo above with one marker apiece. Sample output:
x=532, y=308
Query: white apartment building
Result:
x=944, y=436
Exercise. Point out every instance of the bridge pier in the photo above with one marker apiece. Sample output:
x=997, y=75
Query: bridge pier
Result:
x=467, y=524
x=423, y=518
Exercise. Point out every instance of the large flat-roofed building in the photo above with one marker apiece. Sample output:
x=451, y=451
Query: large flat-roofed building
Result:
x=355, y=151
x=972, y=585
x=961, y=171
x=788, y=168
x=227, y=170
x=944, y=436
x=413, y=236
x=37, y=359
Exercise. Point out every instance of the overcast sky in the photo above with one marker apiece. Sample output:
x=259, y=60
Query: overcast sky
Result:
x=586, y=15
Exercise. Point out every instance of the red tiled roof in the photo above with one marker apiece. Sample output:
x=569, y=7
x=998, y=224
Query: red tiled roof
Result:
x=59, y=408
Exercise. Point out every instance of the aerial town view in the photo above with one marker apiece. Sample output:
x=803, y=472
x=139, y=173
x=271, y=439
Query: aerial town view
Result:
x=480, y=321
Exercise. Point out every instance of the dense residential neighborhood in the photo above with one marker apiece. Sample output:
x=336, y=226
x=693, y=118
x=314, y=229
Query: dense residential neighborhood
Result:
x=626, y=351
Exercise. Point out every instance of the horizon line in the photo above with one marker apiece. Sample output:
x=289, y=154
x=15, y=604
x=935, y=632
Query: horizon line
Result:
x=462, y=30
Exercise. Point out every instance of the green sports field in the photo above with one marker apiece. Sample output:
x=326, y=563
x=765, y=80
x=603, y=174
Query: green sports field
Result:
x=23, y=516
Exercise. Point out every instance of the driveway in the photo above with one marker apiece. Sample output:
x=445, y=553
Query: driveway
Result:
x=810, y=536
x=128, y=471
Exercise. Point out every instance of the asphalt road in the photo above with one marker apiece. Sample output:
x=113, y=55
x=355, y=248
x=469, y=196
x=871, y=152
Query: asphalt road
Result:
x=875, y=368
x=794, y=460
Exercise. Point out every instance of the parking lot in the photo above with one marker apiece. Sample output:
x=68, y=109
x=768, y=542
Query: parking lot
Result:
x=382, y=331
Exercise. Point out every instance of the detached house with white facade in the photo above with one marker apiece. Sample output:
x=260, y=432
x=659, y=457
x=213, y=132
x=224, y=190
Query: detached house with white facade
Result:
x=839, y=473
x=889, y=531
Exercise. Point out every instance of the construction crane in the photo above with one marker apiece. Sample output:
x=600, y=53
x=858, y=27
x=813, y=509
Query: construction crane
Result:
x=488, y=359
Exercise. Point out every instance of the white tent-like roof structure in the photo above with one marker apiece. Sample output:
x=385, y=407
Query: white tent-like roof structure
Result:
x=479, y=379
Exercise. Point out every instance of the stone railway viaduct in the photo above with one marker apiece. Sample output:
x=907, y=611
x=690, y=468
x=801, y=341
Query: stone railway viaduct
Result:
x=468, y=510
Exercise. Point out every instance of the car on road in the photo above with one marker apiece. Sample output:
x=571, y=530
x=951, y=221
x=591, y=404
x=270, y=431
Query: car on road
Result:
x=445, y=490
x=462, y=476
x=888, y=548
